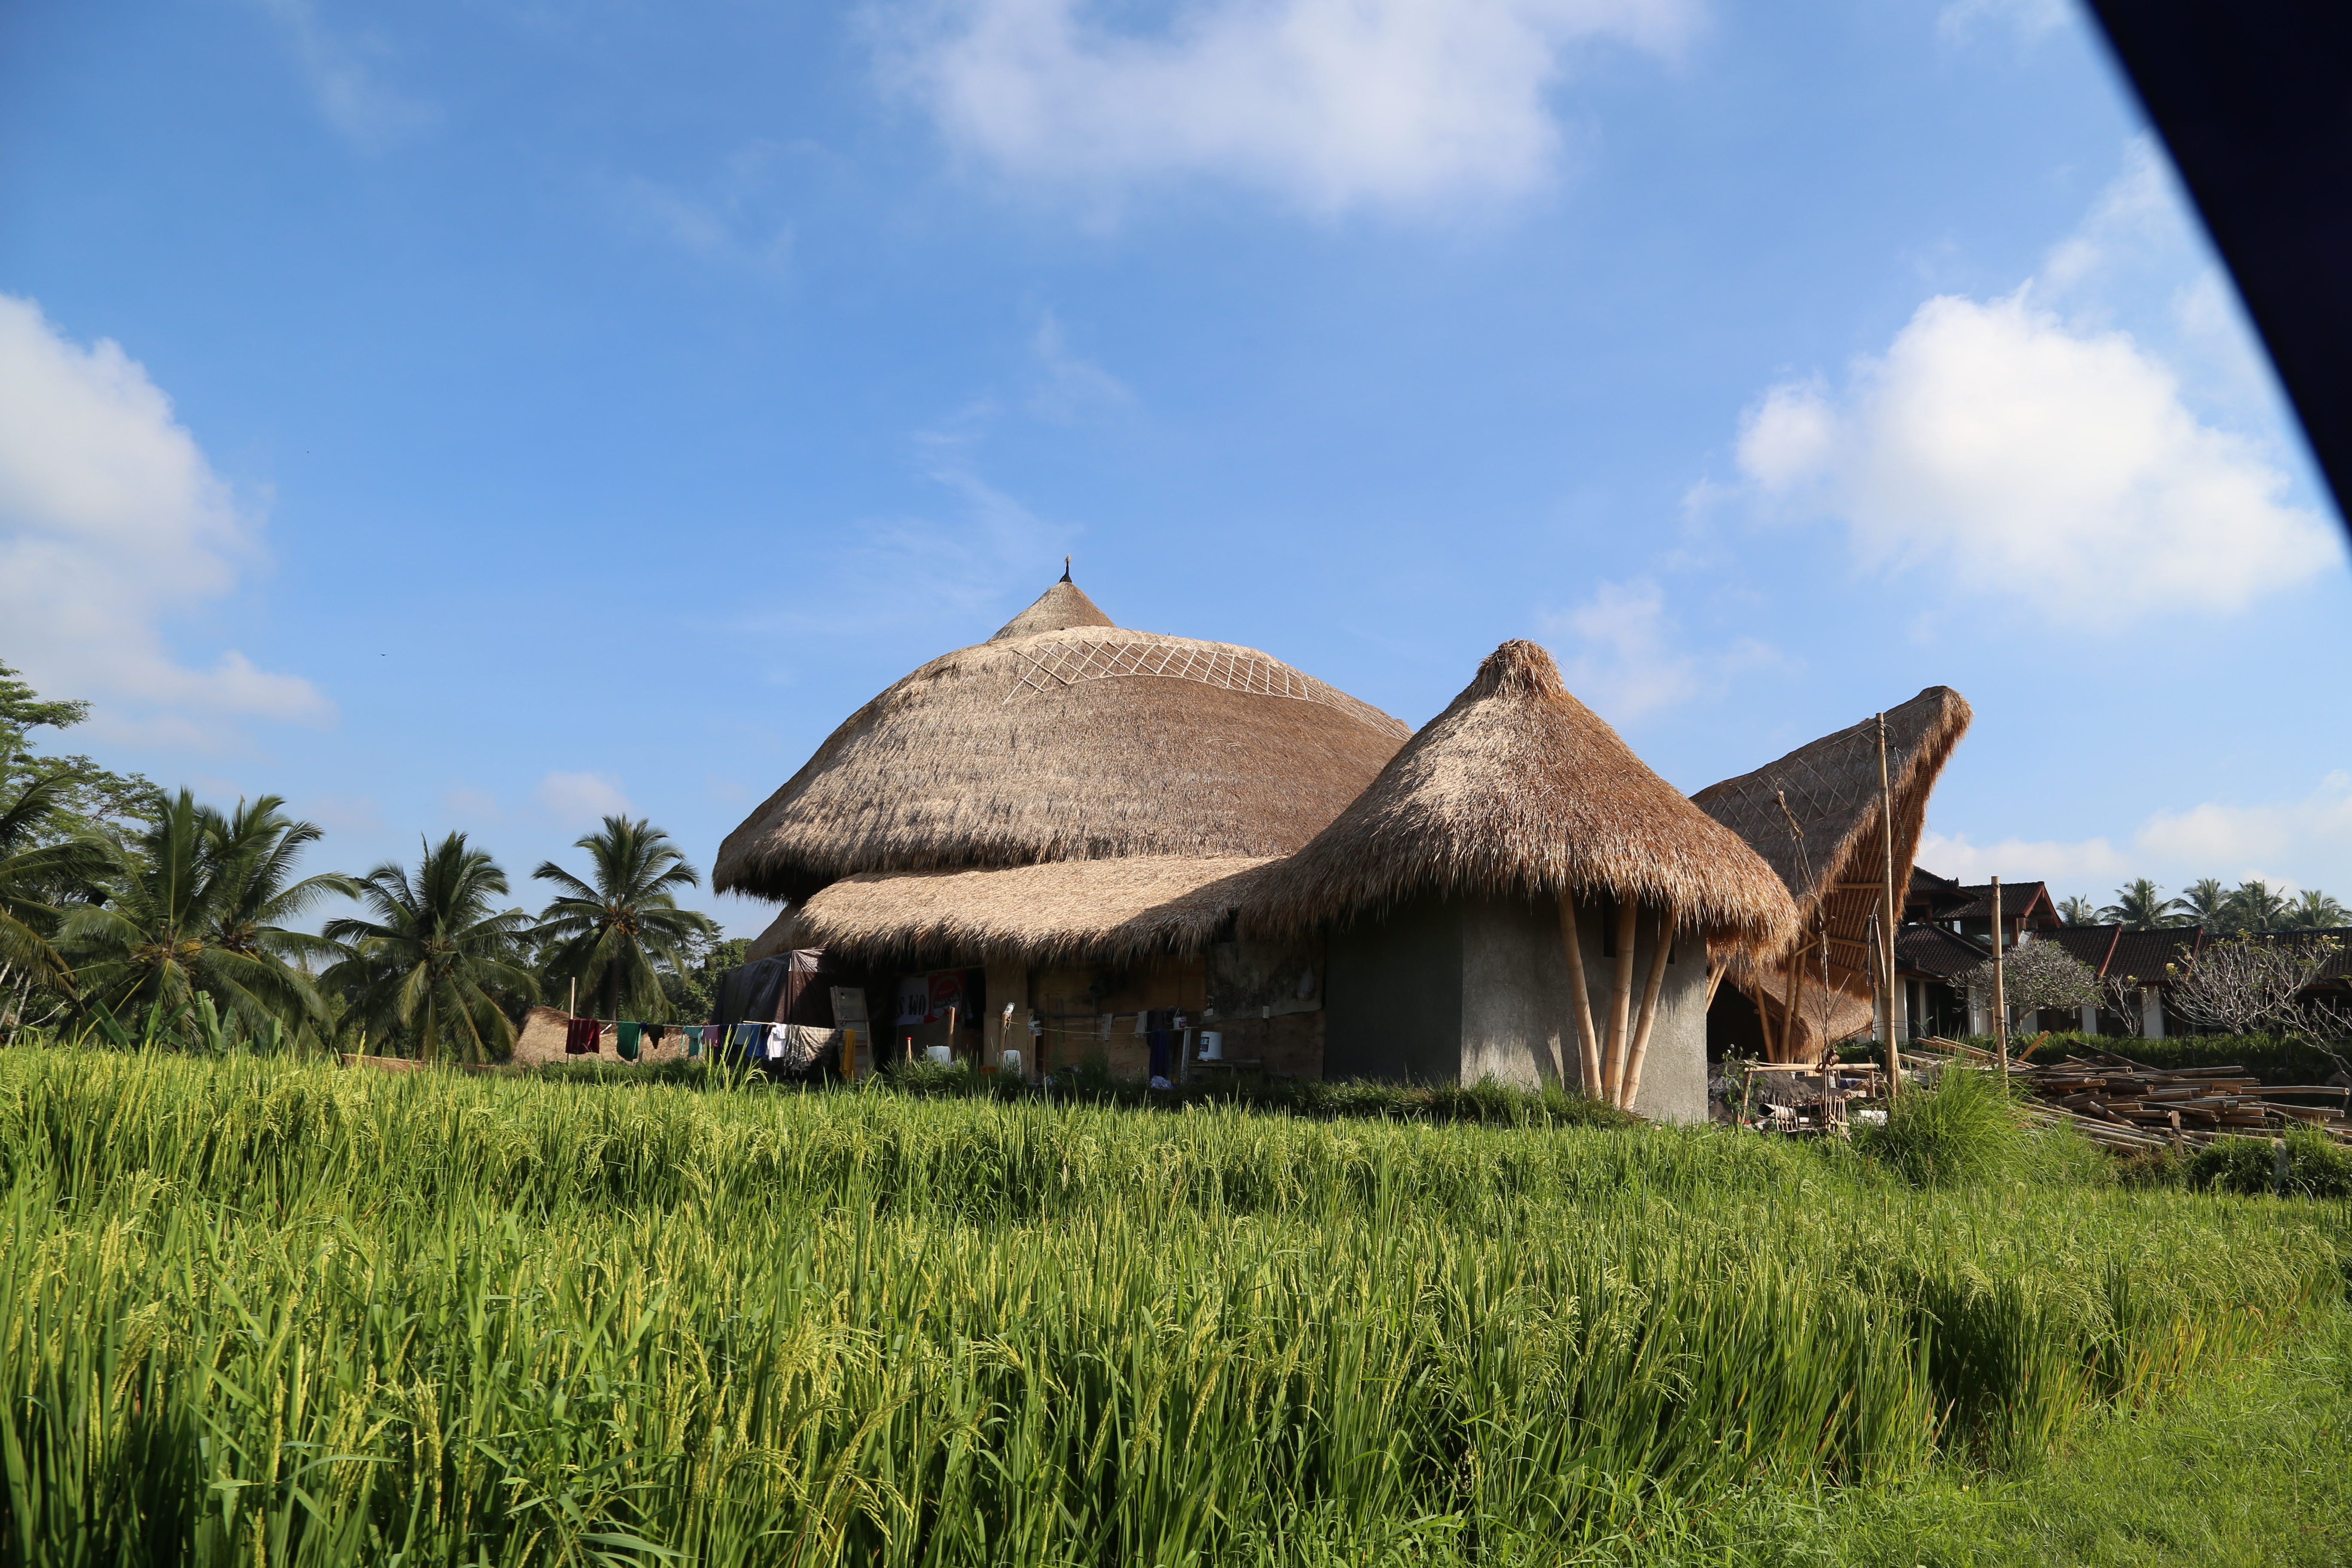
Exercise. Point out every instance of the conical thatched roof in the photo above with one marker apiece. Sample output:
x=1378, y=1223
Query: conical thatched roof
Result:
x=1106, y=910
x=1519, y=789
x=1064, y=737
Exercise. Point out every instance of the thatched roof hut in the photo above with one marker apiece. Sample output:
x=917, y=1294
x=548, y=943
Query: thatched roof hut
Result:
x=1065, y=736
x=1518, y=789
x=1097, y=911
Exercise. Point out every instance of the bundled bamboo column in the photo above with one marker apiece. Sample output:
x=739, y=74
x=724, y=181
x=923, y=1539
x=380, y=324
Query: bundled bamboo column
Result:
x=1588, y=1041
x=1621, y=1001
x=1660, y=948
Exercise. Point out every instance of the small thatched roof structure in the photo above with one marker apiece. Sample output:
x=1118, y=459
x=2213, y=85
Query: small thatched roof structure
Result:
x=1519, y=789
x=1111, y=910
x=1064, y=737
x=1833, y=862
x=1815, y=817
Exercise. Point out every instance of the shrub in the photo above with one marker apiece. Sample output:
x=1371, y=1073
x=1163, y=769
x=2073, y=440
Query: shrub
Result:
x=2269, y=1057
x=2316, y=1167
x=1961, y=1130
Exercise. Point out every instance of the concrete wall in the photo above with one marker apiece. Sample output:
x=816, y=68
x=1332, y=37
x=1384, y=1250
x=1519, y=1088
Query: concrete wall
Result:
x=1518, y=1026
x=1674, y=1073
x=1453, y=991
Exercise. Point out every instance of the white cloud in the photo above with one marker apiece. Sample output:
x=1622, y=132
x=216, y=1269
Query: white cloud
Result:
x=2090, y=861
x=111, y=519
x=344, y=75
x=582, y=799
x=1066, y=385
x=1627, y=663
x=738, y=213
x=345, y=813
x=2244, y=836
x=2050, y=458
x=1332, y=103
x=2310, y=836
x=2029, y=19
x=467, y=804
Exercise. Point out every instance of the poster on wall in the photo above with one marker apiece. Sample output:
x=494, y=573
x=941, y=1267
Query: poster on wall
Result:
x=925, y=998
x=947, y=991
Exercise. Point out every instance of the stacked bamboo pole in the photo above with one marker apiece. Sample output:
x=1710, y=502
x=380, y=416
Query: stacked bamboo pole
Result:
x=2122, y=1103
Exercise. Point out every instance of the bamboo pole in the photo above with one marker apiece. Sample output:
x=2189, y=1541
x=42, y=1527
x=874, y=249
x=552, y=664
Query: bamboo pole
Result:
x=1764, y=1019
x=2000, y=989
x=1792, y=1019
x=1621, y=1000
x=1886, y=920
x=1588, y=1041
x=1714, y=982
x=1660, y=947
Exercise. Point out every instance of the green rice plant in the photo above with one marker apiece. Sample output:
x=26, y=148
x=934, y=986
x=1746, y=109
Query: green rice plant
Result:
x=258, y=1310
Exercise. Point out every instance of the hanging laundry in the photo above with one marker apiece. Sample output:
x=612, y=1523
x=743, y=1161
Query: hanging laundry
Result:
x=774, y=1046
x=625, y=1038
x=655, y=1035
x=746, y=1039
x=692, y=1034
x=580, y=1036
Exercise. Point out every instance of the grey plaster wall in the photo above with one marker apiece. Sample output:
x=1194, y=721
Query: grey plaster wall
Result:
x=1518, y=1026
x=1674, y=1073
x=1392, y=996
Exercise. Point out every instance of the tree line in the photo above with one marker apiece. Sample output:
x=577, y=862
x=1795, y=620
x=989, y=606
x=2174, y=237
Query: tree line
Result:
x=141, y=914
x=2253, y=908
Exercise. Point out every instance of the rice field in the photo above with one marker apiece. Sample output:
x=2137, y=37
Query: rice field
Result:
x=259, y=1311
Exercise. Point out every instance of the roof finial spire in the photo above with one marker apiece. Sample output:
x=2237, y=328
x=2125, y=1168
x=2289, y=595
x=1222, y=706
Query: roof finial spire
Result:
x=1066, y=568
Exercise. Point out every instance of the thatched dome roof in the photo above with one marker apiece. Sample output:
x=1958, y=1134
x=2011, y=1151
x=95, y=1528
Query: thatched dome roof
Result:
x=1519, y=789
x=1064, y=737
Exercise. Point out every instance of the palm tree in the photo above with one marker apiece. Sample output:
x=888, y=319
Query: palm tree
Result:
x=2077, y=912
x=35, y=869
x=2142, y=906
x=194, y=907
x=2316, y=911
x=2253, y=907
x=613, y=936
x=2206, y=901
x=427, y=964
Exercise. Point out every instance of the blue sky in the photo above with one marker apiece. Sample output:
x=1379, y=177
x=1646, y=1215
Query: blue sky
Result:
x=485, y=415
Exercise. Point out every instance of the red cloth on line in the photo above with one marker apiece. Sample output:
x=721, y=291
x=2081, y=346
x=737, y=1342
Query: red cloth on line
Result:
x=580, y=1036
